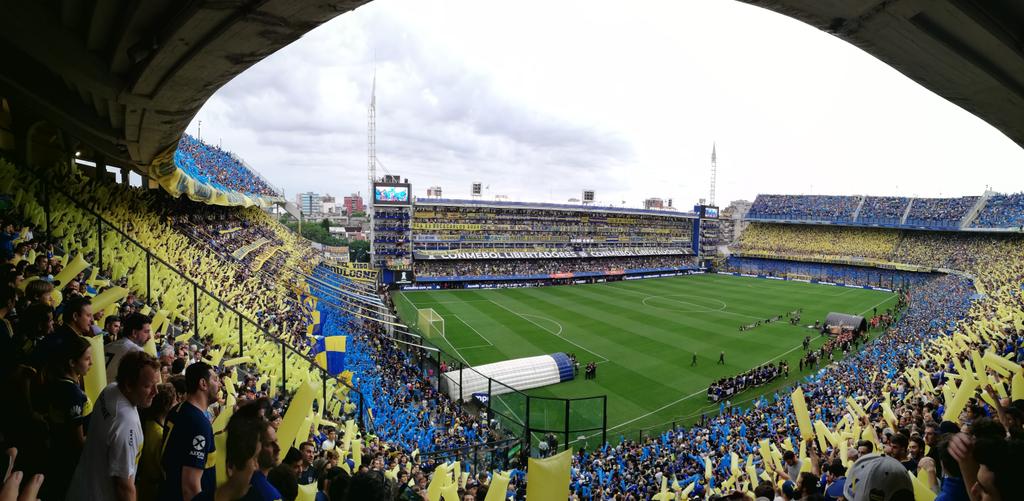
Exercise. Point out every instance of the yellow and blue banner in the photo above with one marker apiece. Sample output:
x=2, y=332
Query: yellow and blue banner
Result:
x=330, y=353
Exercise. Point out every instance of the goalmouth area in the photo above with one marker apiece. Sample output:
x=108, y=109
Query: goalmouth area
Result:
x=642, y=335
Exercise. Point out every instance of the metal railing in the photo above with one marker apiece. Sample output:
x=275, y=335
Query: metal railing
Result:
x=50, y=189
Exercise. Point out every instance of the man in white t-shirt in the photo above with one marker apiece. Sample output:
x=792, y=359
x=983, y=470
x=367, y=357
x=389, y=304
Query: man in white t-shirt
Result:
x=134, y=336
x=114, y=439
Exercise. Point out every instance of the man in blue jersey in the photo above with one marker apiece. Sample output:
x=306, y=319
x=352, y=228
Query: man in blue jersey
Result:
x=188, y=451
x=248, y=430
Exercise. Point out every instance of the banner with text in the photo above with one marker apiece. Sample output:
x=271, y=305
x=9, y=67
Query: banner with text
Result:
x=467, y=254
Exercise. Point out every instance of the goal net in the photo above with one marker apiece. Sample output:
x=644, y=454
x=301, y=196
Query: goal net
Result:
x=430, y=322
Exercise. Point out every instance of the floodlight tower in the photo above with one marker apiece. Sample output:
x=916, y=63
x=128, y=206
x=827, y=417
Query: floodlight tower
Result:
x=714, y=173
x=371, y=152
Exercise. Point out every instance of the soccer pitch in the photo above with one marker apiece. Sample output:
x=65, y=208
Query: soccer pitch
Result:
x=642, y=334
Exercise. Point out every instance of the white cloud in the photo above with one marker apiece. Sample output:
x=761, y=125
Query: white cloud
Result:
x=540, y=99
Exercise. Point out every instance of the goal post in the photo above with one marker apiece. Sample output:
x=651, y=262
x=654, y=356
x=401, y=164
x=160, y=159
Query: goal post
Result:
x=430, y=322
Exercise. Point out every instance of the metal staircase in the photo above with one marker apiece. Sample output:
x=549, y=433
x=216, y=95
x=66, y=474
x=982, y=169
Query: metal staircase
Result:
x=973, y=213
x=856, y=213
x=903, y=220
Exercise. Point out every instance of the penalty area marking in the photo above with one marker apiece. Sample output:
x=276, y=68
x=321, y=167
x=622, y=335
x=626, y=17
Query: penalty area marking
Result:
x=545, y=329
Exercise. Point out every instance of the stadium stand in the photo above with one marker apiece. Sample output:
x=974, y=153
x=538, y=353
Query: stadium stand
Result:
x=461, y=240
x=882, y=210
x=918, y=213
x=219, y=168
x=504, y=268
x=463, y=225
x=825, y=272
x=804, y=207
x=854, y=399
x=939, y=213
x=769, y=240
x=1002, y=211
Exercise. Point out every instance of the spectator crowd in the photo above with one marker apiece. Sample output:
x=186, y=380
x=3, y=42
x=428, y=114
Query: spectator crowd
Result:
x=930, y=393
x=522, y=267
x=513, y=228
x=219, y=168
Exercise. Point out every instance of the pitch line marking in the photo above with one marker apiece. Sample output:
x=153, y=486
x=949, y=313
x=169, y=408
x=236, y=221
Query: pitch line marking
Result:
x=556, y=322
x=669, y=297
x=426, y=303
x=525, y=317
x=890, y=298
x=474, y=330
x=706, y=310
x=475, y=346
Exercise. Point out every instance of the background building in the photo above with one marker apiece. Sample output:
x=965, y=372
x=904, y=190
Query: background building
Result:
x=329, y=204
x=309, y=203
x=353, y=203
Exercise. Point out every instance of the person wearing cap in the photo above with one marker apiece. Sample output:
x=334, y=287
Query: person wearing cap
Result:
x=876, y=477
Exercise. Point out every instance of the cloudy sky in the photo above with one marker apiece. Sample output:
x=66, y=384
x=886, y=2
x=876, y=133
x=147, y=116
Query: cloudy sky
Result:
x=540, y=99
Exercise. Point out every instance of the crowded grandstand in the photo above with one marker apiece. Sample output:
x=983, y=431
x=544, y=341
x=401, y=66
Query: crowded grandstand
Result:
x=172, y=339
x=949, y=361
x=459, y=241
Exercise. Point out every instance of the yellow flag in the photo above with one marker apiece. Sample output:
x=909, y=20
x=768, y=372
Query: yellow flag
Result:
x=296, y=414
x=71, y=270
x=498, y=487
x=237, y=360
x=964, y=392
x=96, y=378
x=1017, y=387
x=803, y=417
x=921, y=490
x=307, y=492
x=221, y=421
x=220, y=441
x=549, y=477
x=108, y=297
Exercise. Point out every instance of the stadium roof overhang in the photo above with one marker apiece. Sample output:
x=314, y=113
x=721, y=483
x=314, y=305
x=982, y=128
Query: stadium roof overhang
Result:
x=127, y=77
x=970, y=52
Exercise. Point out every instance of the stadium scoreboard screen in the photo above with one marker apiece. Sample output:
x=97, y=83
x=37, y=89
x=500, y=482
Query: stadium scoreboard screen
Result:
x=709, y=212
x=392, y=194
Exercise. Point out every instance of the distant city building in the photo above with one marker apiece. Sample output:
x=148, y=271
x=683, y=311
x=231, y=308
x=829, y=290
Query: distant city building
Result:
x=329, y=204
x=434, y=192
x=353, y=203
x=654, y=203
x=309, y=203
x=731, y=223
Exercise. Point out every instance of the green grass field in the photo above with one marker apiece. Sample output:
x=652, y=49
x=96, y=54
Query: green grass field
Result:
x=643, y=334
